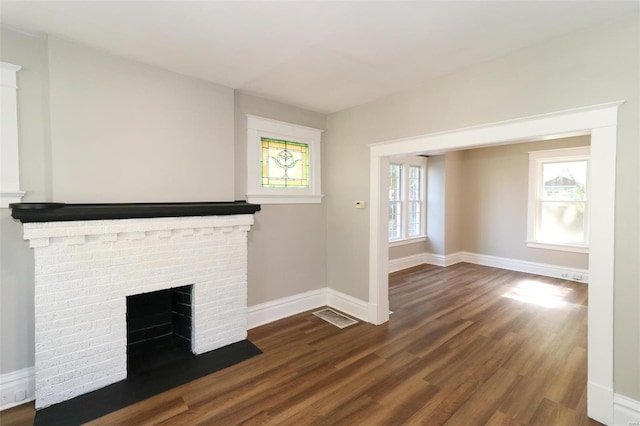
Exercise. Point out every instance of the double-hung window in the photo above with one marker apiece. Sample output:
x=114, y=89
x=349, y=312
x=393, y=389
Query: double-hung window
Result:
x=558, y=216
x=407, y=207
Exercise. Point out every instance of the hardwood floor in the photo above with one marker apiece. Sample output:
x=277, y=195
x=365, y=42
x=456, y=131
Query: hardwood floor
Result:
x=466, y=345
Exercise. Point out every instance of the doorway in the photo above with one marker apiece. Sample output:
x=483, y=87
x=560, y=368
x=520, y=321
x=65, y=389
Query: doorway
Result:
x=600, y=122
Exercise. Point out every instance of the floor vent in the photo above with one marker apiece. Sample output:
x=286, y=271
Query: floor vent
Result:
x=335, y=318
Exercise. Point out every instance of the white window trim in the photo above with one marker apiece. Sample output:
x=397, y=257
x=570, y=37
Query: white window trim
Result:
x=259, y=127
x=412, y=240
x=9, y=160
x=411, y=160
x=536, y=159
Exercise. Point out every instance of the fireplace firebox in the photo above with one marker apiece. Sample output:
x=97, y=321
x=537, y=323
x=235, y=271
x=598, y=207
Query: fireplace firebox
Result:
x=159, y=328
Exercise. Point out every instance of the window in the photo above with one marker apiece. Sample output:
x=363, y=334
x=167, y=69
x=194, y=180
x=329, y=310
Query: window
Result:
x=558, y=216
x=283, y=162
x=407, y=212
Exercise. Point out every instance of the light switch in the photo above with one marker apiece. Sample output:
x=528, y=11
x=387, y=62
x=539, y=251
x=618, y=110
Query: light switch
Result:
x=360, y=204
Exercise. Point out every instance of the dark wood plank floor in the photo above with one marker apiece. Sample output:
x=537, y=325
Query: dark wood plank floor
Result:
x=466, y=345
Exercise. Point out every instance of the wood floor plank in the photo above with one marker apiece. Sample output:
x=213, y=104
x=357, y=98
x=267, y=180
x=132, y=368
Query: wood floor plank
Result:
x=466, y=345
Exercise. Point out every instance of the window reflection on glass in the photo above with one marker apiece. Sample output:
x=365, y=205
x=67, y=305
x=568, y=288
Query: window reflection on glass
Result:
x=395, y=205
x=415, y=180
x=563, y=197
x=395, y=220
x=414, y=219
x=284, y=164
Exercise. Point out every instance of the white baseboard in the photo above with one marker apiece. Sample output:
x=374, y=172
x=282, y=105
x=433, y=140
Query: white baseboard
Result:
x=600, y=403
x=422, y=258
x=17, y=387
x=348, y=304
x=555, y=271
x=274, y=310
x=406, y=262
x=434, y=259
x=626, y=411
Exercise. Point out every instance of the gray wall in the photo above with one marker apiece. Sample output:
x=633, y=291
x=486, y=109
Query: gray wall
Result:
x=436, y=207
x=494, y=203
x=287, y=244
x=455, y=213
x=122, y=131
x=588, y=67
x=16, y=259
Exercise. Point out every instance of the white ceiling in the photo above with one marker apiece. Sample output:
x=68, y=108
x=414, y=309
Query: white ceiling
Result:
x=322, y=55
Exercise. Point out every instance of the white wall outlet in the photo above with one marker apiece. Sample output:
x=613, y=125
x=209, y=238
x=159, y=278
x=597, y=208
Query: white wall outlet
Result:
x=360, y=204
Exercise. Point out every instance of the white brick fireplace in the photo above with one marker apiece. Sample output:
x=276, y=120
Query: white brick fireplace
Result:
x=85, y=269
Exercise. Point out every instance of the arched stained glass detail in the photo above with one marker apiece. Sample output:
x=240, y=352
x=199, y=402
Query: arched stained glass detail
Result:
x=284, y=164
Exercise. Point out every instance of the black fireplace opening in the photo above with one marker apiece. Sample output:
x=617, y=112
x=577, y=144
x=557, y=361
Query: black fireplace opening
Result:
x=158, y=329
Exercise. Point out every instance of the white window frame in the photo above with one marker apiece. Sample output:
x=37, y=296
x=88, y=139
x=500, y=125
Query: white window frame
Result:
x=9, y=159
x=536, y=161
x=259, y=127
x=406, y=162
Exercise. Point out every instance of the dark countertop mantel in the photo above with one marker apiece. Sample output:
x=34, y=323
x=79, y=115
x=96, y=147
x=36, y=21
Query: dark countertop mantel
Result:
x=55, y=212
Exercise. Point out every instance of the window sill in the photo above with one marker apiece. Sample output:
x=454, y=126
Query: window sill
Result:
x=396, y=243
x=284, y=199
x=560, y=247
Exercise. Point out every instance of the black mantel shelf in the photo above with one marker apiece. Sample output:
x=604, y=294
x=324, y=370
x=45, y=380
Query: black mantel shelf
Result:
x=54, y=212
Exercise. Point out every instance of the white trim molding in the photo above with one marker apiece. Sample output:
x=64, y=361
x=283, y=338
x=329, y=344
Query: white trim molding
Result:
x=258, y=128
x=443, y=259
x=407, y=241
x=17, y=387
x=264, y=313
x=536, y=235
x=9, y=159
x=405, y=262
x=626, y=411
x=401, y=263
x=544, y=269
x=274, y=310
x=601, y=122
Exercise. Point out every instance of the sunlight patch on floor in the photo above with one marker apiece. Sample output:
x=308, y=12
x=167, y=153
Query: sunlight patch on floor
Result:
x=537, y=293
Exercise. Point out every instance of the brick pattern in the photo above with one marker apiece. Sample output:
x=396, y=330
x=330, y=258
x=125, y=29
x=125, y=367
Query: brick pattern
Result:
x=84, y=270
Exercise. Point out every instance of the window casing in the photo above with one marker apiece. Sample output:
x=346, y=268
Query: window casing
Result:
x=558, y=216
x=283, y=162
x=407, y=194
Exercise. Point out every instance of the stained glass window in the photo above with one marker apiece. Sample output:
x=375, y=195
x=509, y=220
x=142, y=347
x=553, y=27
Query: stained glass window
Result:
x=284, y=164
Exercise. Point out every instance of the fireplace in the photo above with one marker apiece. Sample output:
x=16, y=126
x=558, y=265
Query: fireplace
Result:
x=94, y=265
